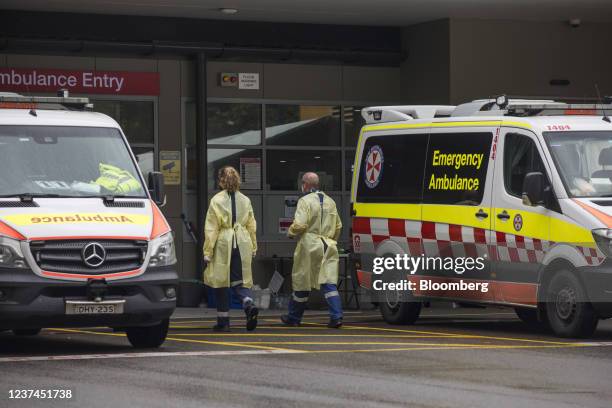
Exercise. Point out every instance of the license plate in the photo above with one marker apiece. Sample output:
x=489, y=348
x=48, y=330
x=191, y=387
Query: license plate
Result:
x=94, y=308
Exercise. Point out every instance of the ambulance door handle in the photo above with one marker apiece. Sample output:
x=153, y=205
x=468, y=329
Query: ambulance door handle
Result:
x=504, y=216
x=481, y=214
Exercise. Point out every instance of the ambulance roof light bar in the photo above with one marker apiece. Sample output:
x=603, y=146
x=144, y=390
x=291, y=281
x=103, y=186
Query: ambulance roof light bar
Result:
x=558, y=109
x=381, y=114
x=502, y=106
x=496, y=107
x=10, y=100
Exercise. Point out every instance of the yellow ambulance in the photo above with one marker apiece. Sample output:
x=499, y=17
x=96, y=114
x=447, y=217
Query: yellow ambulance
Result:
x=520, y=189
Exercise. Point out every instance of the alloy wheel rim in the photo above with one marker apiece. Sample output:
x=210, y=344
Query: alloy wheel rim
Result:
x=566, y=303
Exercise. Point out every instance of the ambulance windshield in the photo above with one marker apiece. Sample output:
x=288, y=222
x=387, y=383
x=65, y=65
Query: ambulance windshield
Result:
x=66, y=161
x=584, y=161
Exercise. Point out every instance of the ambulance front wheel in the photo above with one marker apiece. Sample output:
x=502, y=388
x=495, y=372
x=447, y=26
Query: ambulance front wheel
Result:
x=149, y=336
x=568, y=311
x=400, y=312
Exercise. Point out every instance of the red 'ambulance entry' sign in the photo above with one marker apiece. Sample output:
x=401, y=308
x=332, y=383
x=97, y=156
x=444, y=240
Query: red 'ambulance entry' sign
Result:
x=83, y=82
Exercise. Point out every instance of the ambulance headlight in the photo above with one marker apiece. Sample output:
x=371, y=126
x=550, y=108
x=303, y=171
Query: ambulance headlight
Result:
x=603, y=238
x=162, y=251
x=11, y=255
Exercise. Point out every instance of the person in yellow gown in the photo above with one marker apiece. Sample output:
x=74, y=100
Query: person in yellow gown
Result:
x=317, y=226
x=229, y=246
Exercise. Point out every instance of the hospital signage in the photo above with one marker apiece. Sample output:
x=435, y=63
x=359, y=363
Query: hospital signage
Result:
x=84, y=82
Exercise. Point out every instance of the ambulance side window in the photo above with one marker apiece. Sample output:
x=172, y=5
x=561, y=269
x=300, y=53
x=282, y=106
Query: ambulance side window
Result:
x=456, y=170
x=521, y=156
x=392, y=169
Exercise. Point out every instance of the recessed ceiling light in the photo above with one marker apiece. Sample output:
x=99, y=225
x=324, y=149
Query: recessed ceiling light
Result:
x=228, y=11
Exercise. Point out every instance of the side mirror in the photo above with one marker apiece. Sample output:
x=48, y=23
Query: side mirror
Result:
x=533, y=189
x=156, y=188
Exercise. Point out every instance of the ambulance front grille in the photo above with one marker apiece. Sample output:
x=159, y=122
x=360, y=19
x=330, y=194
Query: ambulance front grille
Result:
x=66, y=256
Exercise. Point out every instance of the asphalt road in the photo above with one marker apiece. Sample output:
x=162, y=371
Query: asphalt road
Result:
x=451, y=358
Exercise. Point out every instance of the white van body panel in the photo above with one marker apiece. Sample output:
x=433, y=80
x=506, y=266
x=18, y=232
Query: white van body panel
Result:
x=75, y=218
x=56, y=118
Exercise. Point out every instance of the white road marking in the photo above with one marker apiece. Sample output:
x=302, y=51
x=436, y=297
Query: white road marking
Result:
x=596, y=343
x=144, y=355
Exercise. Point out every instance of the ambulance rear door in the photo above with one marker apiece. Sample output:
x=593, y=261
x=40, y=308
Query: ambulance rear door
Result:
x=456, y=211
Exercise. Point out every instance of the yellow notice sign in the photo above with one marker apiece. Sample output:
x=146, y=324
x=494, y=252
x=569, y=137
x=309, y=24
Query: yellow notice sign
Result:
x=77, y=218
x=170, y=165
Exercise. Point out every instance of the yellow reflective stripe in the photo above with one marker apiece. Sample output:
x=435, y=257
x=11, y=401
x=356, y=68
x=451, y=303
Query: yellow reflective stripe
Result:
x=494, y=123
x=356, y=161
x=563, y=231
x=534, y=225
x=511, y=123
x=76, y=218
x=399, y=211
x=456, y=214
x=375, y=127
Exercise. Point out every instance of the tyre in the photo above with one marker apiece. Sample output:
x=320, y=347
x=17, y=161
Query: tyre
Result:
x=149, y=336
x=403, y=313
x=26, y=332
x=527, y=315
x=568, y=313
x=396, y=310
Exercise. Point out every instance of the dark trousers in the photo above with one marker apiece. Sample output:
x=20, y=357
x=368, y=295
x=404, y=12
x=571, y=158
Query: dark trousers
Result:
x=222, y=295
x=297, y=304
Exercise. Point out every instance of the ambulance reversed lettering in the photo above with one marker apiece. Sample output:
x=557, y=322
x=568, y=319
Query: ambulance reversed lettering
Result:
x=374, y=163
x=77, y=218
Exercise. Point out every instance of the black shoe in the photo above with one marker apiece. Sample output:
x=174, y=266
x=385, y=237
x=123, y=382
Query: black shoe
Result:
x=287, y=321
x=221, y=328
x=251, y=313
x=335, y=323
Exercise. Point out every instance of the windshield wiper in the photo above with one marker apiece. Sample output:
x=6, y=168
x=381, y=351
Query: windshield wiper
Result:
x=29, y=197
x=109, y=198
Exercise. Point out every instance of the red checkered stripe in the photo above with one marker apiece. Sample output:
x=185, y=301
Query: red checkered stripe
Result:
x=517, y=248
x=593, y=256
x=450, y=240
x=419, y=237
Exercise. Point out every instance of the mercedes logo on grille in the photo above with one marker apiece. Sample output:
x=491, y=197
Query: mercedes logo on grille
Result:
x=93, y=254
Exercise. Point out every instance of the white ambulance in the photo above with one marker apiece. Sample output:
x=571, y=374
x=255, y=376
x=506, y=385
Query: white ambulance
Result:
x=82, y=240
x=522, y=186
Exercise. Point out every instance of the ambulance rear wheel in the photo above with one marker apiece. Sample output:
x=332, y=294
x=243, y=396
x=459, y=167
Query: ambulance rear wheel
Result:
x=400, y=312
x=568, y=312
x=149, y=336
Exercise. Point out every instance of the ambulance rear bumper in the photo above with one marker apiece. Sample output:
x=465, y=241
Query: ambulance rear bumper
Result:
x=30, y=301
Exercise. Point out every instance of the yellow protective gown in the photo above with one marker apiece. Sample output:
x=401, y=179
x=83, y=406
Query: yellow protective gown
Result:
x=312, y=266
x=220, y=238
x=116, y=180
